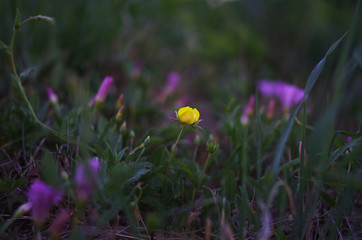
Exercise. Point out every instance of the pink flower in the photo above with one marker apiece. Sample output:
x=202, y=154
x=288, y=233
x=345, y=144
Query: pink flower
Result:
x=42, y=197
x=85, y=178
x=52, y=96
x=248, y=110
x=102, y=91
x=288, y=94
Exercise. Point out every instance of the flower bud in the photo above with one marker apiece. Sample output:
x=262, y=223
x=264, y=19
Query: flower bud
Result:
x=123, y=127
x=120, y=101
x=132, y=134
x=85, y=178
x=24, y=208
x=147, y=140
x=248, y=110
x=102, y=91
x=42, y=197
x=52, y=96
x=211, y=146
x=119, y=114
x=64, y=175
x=197, y=140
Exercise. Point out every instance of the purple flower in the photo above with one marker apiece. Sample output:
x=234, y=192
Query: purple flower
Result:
x=52, y=96
x=248, y=110
x=85, y=178
x=102, y=91
x=288, y=94
x=42, y=197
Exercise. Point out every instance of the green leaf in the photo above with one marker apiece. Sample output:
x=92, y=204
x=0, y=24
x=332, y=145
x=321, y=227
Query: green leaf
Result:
x=49, y=170
x=294, y=162
x=4, y=47
x=247, y=207
x=47, y=19
x=121, y=153
x=240, y=212
x=34, y=100
x=159, y=156
x=338, y=152
x=310, y=83
x=279, y=234
x=17, y=19
x=325, y=196
x=8, y=185
x=230, y=185
x=27, y=72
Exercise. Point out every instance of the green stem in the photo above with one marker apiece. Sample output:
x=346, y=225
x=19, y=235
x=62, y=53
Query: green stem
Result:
x=23, y=94
x=198, y=185
x=171, y=157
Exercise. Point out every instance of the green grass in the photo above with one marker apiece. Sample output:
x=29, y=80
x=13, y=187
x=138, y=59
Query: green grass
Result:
x=255, y=185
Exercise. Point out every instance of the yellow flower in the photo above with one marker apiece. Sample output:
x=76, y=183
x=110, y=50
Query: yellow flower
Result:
x=188, y=115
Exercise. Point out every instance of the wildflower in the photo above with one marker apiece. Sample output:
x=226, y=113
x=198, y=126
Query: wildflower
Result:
x=52, y=96
x=42, y=197
x=85, y=178
x=288, y=94
x=188, y=115
x=119, y=114
x=248, y=110
x=102, y=91
x=120, y=101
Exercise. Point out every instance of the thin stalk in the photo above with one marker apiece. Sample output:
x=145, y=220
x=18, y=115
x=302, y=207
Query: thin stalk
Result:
x=23, y=94
x=171, y=157
x=198, y=185
x=244, y=163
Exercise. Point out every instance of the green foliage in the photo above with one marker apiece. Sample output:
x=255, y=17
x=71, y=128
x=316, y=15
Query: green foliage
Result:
x=292, y=175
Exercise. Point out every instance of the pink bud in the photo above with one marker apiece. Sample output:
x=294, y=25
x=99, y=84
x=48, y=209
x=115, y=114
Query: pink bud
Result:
x=42, y=197
x=248, y=110
x=120, y=101
x=52, y=97
x=85, y=178
x=102, y=91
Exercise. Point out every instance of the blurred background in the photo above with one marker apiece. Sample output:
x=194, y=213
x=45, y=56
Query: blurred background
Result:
x=218, y=50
